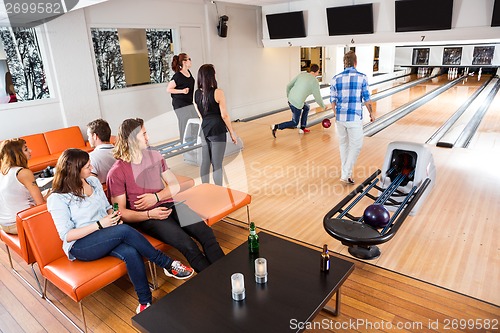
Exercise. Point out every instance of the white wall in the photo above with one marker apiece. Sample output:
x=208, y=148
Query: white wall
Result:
x=253, y=78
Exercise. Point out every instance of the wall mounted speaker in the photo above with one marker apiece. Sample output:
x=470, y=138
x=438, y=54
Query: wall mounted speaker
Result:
x=222, y=27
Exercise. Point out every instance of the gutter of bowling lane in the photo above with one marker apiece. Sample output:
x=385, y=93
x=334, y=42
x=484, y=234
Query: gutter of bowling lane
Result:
x=390, y=91
x=441, y=131
x=471, y=128
x=391, y=117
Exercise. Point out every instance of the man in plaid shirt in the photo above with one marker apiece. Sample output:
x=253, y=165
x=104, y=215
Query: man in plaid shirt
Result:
x=348, y=92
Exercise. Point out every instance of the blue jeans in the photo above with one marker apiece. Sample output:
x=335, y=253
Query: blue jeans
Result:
x=125, y=243
x=177, y=230
x=296, y=115
x=212, y=154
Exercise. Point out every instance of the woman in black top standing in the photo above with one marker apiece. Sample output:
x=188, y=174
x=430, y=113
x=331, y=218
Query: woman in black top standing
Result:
x=211, y=104
x=182, y=87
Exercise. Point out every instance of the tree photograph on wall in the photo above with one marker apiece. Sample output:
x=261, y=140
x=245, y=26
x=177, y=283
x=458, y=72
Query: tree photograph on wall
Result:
x=160, y=54
x=108, y=58
x=23, y=64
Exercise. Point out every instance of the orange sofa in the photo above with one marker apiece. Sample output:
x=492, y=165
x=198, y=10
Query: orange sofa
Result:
x=47, y=147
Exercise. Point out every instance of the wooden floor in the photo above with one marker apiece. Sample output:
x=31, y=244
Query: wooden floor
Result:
x=452, y=241
x=373, y=300
x=443, y=266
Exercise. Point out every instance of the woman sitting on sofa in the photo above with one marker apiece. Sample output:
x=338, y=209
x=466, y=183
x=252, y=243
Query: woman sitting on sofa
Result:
x=18, y=188
x=90, y=229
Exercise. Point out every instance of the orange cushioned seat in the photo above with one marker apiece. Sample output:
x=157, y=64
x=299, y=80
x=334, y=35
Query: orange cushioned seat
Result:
x=213, y=202
x=19, y=243
x=77, y=279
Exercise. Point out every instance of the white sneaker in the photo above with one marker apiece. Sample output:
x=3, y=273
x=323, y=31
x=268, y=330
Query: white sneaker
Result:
x=142, y=307
x=178, y=271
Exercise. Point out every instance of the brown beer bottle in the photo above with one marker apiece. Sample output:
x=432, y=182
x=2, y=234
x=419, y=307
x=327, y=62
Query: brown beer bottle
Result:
x=325, y=259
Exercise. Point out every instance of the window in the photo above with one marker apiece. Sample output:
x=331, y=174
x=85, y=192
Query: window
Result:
x=130, y=57
x=21, y=65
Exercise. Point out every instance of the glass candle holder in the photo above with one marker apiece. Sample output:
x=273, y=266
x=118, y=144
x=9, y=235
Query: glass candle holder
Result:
x=238, y=286
x=260, y=270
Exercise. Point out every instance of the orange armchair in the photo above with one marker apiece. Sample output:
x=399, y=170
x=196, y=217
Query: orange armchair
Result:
x=77, y=279
x=19, y=244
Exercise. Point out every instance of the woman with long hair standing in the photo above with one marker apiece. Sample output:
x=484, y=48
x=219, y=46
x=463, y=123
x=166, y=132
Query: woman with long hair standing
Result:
x=90, y=229
x=18, y=188
x=181, y=87
x=216, y=122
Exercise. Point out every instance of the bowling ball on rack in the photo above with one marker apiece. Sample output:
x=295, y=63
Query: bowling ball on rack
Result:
x=326, y=123
x=377, y=216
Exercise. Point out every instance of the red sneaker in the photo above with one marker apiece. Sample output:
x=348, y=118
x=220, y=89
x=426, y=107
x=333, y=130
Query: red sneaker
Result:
x=178, y=271
x=304, y=130
x=142, y=307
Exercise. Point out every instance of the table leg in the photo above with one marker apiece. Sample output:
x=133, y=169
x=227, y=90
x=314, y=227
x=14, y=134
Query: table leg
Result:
x=334, y=311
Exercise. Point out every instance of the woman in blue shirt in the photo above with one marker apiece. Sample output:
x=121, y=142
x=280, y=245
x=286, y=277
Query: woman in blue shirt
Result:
x=90, y=230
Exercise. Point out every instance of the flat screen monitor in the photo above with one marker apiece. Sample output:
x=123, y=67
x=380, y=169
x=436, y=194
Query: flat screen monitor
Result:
x=350, y=20
x=286, y=25
x=423, y=15
x=495, y=18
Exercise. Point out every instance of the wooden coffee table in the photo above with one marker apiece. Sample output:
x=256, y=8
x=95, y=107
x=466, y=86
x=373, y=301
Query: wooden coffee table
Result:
x=295, y=292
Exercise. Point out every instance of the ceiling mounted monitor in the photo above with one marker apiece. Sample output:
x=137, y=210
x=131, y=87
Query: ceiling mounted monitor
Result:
x=423, y=15
x=350, y=20
x=286, y=25
x=495, y=18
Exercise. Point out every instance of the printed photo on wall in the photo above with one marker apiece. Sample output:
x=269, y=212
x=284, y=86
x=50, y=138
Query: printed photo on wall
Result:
x=482, y=55
x=420, y=56
x=452, y=55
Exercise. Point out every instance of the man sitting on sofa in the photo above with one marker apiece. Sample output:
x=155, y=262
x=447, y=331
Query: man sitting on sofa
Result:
x=101, y=158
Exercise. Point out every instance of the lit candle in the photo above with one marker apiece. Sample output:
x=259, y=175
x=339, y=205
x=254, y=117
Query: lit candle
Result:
x=238, y=286
x=260, y=270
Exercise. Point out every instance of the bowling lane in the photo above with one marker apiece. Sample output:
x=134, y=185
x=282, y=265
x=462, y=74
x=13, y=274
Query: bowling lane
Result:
x=419, y=125
x=393, y=83
x=391, y=102
x=488, y=133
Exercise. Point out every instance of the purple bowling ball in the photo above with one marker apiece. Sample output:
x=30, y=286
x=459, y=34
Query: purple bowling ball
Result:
x=376, y=215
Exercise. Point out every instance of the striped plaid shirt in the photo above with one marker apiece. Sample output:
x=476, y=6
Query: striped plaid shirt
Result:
x=348, y=91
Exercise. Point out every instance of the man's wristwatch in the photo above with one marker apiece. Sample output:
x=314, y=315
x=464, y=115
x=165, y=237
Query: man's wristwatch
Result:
x=99, y=225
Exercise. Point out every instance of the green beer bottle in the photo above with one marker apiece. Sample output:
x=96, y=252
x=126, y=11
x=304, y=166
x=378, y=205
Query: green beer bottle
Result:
x=253, y=239
x=115, y=208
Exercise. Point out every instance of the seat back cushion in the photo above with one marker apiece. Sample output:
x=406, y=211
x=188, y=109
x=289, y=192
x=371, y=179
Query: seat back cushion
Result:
x=43, y=238
x=37, y=144
x=25, y=248
x=61, y=139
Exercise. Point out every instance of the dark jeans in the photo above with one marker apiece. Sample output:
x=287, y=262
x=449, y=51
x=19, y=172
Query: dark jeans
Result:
x=177, y=230
x=125, y=243
x=212, y=154
x=297, y=114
